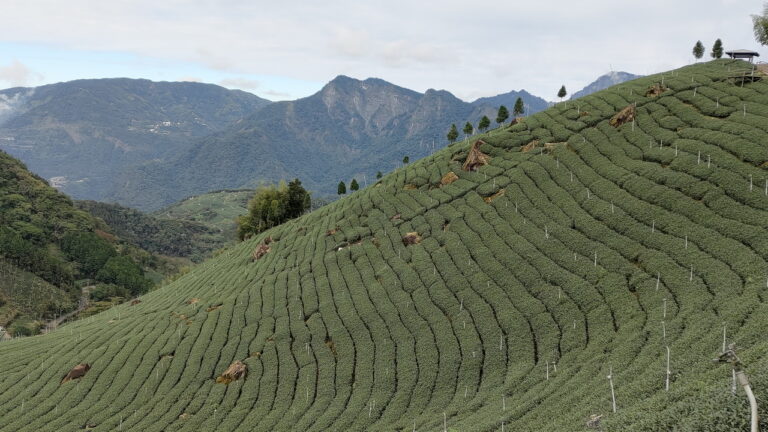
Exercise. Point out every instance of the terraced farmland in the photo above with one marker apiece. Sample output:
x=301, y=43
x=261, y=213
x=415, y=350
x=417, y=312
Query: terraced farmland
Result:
x=500, y=300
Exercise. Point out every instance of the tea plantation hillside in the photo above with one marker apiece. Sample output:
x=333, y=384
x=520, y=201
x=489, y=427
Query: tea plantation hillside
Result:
x=486, y=300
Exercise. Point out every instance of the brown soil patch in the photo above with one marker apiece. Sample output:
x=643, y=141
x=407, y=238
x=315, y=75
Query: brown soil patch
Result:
x=624, y=116
x=655, y=90
x=331, y=232
x=193, y=300
x=489, y=199
x=411, y=238
x=234, y=372
x=331, y=345
x=449, y=178
x=530, y=146
x=213, y=308
x=183, y=416
x=475, y=158
x=410, y=186
x=395, y=217
x=260, y=251
x=135, y=302
x=76, y=372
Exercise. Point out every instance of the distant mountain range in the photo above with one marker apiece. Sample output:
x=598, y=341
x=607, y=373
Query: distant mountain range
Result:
x=603, y=82
x=148, y=144
x=80, y=134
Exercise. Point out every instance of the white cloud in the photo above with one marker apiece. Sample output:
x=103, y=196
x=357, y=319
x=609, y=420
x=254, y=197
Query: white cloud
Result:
x=240, y=83
x=468, y=48
x=16, y=74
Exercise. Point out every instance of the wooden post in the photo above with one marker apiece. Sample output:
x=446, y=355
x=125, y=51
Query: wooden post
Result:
x=613, y=394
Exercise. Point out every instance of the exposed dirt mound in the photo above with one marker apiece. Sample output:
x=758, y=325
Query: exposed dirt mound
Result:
x=260, y=251
x=331, y=232
x=489, y=199
x=655, y=90
x=193, y=300
x=213, y=308
x=410, y=186
x=234, y=372
x=135, y=302
x=449, y=178
x=530, y=146
x=76, y=372
x=411, y=238
x=624, y=116
x=475, y=158
x=395, y=217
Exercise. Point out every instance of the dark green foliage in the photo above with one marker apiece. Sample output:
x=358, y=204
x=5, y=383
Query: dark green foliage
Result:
x=122, y=271
x=273, y=205
x=406, y=159
x=87, y=249
x=717, y=49
x=760, y=26
x=105, y=291
x=178, y=238
x=453, y=133
x=502, y=115
x=562, y=92
x=519, y=108
x=484, y=123
x=353, y=186
x=379, y=175
x=341, y=189
x=468, y=129
x=698, y=50
x=298, y=198
x=266, y=209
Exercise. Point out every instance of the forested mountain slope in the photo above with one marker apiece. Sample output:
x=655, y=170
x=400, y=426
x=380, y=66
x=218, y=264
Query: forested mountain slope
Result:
x=499, y=297
x=82, y=133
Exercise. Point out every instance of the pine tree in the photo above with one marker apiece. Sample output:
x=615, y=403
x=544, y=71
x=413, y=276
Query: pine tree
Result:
x=354, y=186
x=562, y=93
x=453, y=133
x=760, y=23
x=298, y=200
x=379, y=175
x=468, y=128
x=342, y=189
x=717, y=49
x=519, y=108
x=484, y=123
x=406, y=159
x=698, y=50
x=503, y=115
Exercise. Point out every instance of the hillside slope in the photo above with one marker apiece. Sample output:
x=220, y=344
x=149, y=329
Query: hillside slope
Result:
x=80, y=133
x=176, y=238
x=581, y=250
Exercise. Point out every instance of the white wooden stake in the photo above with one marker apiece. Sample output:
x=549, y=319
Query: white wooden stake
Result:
x=666, y=386
x=613, y=395
x=658, y=279
x=664, y=315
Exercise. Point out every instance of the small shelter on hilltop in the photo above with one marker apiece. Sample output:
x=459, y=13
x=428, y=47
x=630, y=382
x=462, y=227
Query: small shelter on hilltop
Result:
x=742, y=54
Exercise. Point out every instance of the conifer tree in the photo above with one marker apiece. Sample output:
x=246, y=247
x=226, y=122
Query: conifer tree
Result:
x=468, y=128
x=562, y=93
x=503, y=115
x=354, y=186
x=379, y=175
x=406, y=159
x=519, y=108
x=453, y=133
x=342, y=189
x=698, y=50
x=717, y=49
x=484, y=123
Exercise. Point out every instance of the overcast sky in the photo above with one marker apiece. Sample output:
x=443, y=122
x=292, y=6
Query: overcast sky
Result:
x=289, y=49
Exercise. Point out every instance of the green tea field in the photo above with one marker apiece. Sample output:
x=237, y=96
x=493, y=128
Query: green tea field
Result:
x=492, y=286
